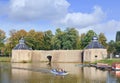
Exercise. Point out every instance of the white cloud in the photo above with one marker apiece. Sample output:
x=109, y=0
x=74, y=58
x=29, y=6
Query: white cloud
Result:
x=38, y=9
x=83, y=19
x=108, y=28
x=57, y=12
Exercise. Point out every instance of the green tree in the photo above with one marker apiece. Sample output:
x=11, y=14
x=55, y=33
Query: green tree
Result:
x=39, y=40
x=86, y=39
x=30, y=39
x=67, y=39
x=57, y=39
x=82, y=36
x=70, y=38
x=111, y=47
x=35, y=40
x=102, y=39
x=48, y=40
x=7, y=49
x=15, y=36
x=2, y=39
x=79, y=43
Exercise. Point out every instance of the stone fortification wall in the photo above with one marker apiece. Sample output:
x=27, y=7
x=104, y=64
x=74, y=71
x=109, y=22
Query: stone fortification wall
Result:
x=57, y=55
x=40, y=55
x=21, y=56
x=91, y=55
x=88, y=55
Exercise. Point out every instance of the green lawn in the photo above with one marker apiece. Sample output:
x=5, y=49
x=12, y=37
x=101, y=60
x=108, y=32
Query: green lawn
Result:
x=109, y=61
x=5, y=59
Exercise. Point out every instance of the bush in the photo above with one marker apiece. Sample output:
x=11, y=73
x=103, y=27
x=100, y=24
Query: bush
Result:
x=5, y=59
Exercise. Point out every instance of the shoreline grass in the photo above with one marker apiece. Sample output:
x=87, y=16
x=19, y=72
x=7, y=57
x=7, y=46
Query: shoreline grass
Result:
x=109, y=61
x=5, y=59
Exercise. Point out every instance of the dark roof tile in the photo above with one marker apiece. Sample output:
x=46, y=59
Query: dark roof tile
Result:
x=94, y=44
x=21, y=45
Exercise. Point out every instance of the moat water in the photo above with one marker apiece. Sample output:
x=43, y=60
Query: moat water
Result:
x=40, y=73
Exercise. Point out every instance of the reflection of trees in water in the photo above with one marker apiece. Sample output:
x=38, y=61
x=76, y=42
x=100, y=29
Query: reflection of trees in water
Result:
x=5, y=72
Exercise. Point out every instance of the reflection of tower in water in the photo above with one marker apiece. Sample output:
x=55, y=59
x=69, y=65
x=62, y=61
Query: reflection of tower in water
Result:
x=94, y=75
x=21, y=73
x=82, y=73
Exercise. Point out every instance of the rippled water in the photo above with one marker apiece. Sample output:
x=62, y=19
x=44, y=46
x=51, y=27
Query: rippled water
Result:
x=40, y=73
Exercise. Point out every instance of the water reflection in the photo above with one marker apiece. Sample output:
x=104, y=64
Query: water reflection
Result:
x=5, y=73
x=40, y=73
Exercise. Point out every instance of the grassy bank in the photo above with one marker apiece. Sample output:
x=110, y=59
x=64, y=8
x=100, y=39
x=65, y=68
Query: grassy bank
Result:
x=109, y=61
x=5, y=59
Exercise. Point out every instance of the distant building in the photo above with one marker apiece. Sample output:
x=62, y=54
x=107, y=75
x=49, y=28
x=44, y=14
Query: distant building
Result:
x=118, y=36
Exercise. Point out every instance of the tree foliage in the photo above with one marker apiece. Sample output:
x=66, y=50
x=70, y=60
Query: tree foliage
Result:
x=102, y=39
x=58, y=39
x=86, y=38
x=66, y=39
x=35, y=39
x=70, y=38
x=15, y=36
x=62, y=39
x=111, y=47
x=47, y=40
x=2, y=39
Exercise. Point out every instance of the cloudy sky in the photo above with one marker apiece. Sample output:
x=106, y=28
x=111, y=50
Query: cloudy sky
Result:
x=41, y=15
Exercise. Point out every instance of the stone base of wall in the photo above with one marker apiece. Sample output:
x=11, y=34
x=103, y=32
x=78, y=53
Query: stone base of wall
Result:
x=58, y=55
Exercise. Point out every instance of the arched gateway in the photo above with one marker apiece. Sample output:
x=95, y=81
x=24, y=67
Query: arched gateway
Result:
x=93, y=51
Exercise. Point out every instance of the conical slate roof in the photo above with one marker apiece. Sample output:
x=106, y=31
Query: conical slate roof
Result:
x=94, y=44
x=21, y=45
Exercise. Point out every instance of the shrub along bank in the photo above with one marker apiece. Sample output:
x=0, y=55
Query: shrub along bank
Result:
x=5, y=59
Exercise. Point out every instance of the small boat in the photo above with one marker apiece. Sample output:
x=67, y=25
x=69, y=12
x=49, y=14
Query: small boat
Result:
x=116, y=66
x=62, y=73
